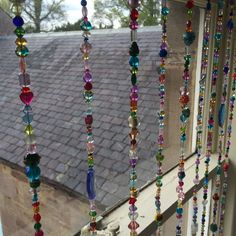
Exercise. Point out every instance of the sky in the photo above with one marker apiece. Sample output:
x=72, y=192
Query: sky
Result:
x=73, y=10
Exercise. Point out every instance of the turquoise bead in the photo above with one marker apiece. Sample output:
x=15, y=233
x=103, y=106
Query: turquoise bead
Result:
x=134, y=61
x=86, y=26
x=189, y=38
x=27, y=118
x=33, y=173
x=35, y=198
x=165, y=11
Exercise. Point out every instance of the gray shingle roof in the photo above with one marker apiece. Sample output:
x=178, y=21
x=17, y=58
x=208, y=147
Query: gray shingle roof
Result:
x=55, y=67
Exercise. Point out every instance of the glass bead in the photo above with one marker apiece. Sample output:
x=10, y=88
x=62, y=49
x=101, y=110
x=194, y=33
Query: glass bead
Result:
x=20, y=32
x=22, y=51
x=221, y=115
x=189, y=38
x=27, y=97
x=18, y=21
x=32, y=159
x=134, y=3
x=133, y=35
x=37, y=226
x=93, y=213
x=21, y=42
x=165, y=11
x=134, y=50
x=84, y=11
x=88, y=86
x=33, y=173
x=86, y=47
x=29, y=130
x=16, y=9
x=90, y=184
x=160, y=157
x=83, y=3
x=88, y=96
x=213, y=227
x=86, y=26
x=35, y=183
x=134, y=61
x=27, y=118
x=24, y=79
x=190, y=4
x=163, y=53
x=39, y=233
x=133, y=225
x=87, y=77
x=133, y=122
x=133, y=215
x=134, y=14
x=133, y=25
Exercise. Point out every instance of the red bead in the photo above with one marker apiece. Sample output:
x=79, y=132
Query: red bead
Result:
x=226, y=166
x=93, y=225
x=134, y=14
x=39, y=233
x=36, y=204
x=88, y=120
x=184, y=99
x=88, y=86
x=216, y=197
x=26, y=97
x=162, y=78
x=132, y=201
x=37, y=217
x=190, y=4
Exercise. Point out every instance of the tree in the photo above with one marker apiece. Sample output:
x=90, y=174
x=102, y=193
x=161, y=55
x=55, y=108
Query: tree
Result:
x=109, y=12
x=69, y=27
x=42, y=11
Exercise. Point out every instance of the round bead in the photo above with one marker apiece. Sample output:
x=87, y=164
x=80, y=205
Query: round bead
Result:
x=134, y=3
x=19, y=31
x=165, y=11
x=39, y=233
x=134, y=61
x=84, y=3
x=163, y=53
x=214, y=227
x=134, y=15
x=22, y=51
x=86, y=26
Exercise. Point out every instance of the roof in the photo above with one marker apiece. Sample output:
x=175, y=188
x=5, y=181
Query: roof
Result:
x=56, y=69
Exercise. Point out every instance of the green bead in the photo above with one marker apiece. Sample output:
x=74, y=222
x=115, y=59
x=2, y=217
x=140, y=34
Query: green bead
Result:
x=133, y=79
x=165, y=11
x=160, y=157
x=189, y=38
x=92, y=213
x=86, y=26
x=213, y=227
x=88, y=96
x=133, y=114
x=22, y=51
x=190, y=12
x=37, y=226
x=20, y=32
x=35, y=183
x=186, y=112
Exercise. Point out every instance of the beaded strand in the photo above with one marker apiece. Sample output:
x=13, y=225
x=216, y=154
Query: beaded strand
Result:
x=226, y=164
x=202, y=84
x=88, y=98
x=221, y=121
x=32, y=159
x=188, y=37
x=215, y=74
x=133, y=119
x=161, y=116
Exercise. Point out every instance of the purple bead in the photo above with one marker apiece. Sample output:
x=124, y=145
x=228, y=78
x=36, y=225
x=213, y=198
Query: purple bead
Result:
x=134, y=96
x=87, y=76
x=164, y=46
x=133, y=25
x=133, y=162
x=134, y=89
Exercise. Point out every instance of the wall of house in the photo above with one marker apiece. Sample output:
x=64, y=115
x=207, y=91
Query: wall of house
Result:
x=62, y=213
x=6, y=27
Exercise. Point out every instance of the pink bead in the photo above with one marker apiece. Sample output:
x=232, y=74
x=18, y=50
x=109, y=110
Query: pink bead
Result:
x=133, y=25
x=87, y=76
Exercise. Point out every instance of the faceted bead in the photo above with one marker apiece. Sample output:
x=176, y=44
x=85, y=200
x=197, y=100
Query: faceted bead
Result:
x=29, y=130
x=27, y=118
x=88, y=86
x=90, y=184
x=35, y=183
x=133, y=225
x=186, y=112
x=83, y=3
x=133, y=215
x=33, y=173
x=163, y=53
x=18, y=21
x=86, y=26
x=134, y=3
x=133, y=25
x=190, y=4
x=159, y=217
x=189, y=38
x=88, y=96
x=22, y=51
x=132, y=200
x=86, y=47
x=184, y=99
x=165, y=11
x=88, y=120
x=133, y=122
x=134, y=15
x=37, y=226
x=133, y=79
x=134, y=61
x=39, y=233
x=87, y=77
x=134, y=49
x=93, y=213
x=160, y=157
x=37, y=217
x=27, y=97
x=21, y=42
x=214, y=227
x=19, y=31
x=24, y=79
x=32, y=160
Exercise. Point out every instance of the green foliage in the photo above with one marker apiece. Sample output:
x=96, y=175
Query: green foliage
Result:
x=109, y=12
x=69, y=27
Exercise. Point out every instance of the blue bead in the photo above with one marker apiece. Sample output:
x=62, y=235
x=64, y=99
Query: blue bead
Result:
x=230, y=24
x=90, y=184
x=179, y=210
x=27, y=118
x=35, y=198
x=134, y=61
x=163, y=53
x=226, y=69
x=84, y=3
x=33, y=173
x=18, y=21
x=221, y=115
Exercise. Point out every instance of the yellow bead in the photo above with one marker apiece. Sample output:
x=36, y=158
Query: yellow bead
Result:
x=21, y=42
x=29, y=130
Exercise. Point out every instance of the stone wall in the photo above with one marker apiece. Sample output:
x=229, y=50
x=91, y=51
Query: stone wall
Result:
x=62, y=213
